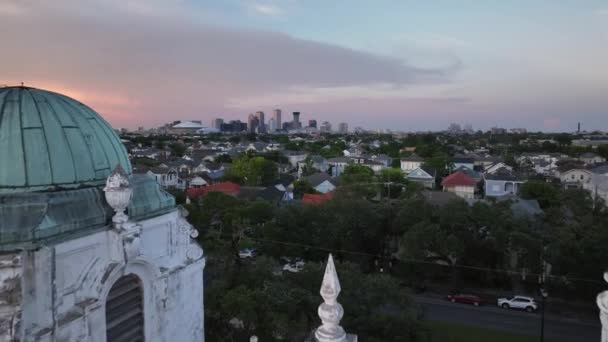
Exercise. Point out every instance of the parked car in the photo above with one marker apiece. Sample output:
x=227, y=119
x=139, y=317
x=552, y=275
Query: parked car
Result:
x=247, y=253
x=518, y=302
x=294, y=267
x=465, y=298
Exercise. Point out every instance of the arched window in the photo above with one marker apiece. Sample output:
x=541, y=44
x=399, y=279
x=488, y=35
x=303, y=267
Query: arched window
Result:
x=124, y=310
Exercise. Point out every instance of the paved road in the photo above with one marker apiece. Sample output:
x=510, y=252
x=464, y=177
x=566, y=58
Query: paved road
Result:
x=491, y=317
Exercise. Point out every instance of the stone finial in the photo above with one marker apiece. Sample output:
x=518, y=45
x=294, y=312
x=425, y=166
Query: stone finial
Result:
x=602, y=303
x=330, y=311
x=253, y=339
x=118, y=194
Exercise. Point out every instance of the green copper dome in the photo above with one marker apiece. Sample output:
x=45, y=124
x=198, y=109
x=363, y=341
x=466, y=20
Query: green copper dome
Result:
x=51, y=142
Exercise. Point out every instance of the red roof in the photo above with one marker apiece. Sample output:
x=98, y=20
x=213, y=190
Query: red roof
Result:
x=227, y=188
x=458, y=178
x=316, y=198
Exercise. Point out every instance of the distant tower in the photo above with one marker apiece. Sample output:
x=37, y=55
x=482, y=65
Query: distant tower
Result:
x=296, y=120
x=579, y=128
x=261, y=122
x=312, y=123
x=217, y=123
x=343, y=127
x=276, y=115
x=252, y=124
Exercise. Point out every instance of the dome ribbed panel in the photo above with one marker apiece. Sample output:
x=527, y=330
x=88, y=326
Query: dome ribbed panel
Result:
x=49, y=141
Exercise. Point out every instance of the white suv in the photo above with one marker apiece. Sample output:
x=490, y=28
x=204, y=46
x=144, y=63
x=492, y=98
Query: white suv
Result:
x=518, y=302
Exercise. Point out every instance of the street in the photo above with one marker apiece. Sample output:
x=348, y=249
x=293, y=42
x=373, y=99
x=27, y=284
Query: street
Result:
x=519, y=322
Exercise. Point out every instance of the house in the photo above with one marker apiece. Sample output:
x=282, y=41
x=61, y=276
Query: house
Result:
x=338, y=164
x=471, y=173
x=198, y=182
x=459, y=162
x=294, y=157
x=322, y=182
x=491, y=169
x=600, y=170
x=411, y=163
x=316, y=199
x=382, y=158
x=575, y=178
x=590, y=158
x=598, y=187
x=372, y=164
x=501, y=183
x=423, y=175
x=319, y=163
x=228, y=188
x=460, y=184
x=165, y=176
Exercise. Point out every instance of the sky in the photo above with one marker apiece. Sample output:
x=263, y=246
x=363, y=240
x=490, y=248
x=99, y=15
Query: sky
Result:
x=399, y=64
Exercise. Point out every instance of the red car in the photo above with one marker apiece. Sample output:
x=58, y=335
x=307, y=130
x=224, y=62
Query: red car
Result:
x=465, y=298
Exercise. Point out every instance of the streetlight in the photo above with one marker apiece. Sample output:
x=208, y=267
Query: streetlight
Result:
x=544, y=295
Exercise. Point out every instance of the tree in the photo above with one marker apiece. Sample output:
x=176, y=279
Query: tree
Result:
x=253, y=171
x=355, y=173
x=301, y=187
x=544, y=193
x=178, y=149
x=393, y=182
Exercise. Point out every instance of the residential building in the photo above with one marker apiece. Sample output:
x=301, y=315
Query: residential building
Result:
x=459, y=162
x=165, y=176
x=502, y=182
x=598, y=187
x=591, y=158
x=411, y=163
x=423, y=175
x=338, y=164
x=460, y=184
x=575, y=178
x=322, y=182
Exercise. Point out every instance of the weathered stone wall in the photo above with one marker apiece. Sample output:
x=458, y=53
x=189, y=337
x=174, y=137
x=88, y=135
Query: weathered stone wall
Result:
x=64, y=286
x=10, y=297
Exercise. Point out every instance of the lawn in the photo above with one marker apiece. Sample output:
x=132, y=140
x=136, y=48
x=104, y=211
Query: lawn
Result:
x=450, y=332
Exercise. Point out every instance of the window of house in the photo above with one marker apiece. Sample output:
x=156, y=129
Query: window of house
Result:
x=124, y=311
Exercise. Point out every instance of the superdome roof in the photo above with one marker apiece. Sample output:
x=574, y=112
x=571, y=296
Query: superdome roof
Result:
x=49, y=141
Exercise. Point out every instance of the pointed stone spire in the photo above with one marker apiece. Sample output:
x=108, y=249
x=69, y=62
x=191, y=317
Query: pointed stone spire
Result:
x=602, y=303
x=330, y=311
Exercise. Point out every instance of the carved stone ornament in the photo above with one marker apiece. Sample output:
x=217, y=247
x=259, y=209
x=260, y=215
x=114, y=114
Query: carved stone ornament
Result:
x=118, y=194
x=602, y=303
x=330, y=311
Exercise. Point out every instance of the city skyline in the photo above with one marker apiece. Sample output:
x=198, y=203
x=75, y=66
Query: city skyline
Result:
x=413, y=66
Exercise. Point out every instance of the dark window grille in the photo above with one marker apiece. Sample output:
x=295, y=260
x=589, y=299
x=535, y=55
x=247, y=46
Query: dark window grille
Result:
x=124, y=311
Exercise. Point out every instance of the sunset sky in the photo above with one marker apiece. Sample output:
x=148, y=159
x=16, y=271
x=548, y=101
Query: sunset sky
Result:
x=409, y=65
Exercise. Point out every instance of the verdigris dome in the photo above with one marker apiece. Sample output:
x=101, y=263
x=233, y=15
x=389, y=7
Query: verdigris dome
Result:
x=50, y=142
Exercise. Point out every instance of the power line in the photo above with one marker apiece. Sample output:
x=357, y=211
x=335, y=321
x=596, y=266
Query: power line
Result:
x=416, y=261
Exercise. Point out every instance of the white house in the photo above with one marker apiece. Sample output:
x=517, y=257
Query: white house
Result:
x=411, y=163
x=575, y=178
x=590, y=158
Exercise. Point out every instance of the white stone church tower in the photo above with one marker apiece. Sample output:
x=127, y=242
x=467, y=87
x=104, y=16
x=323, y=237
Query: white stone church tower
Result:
x=73, y=265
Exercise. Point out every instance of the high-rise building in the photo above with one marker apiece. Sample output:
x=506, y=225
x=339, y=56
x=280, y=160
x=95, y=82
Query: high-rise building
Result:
x=276, y=115
x=217, y=123
x=312, y=123
x=296, y=121
x=272, y=125
x=343, y=127
x=261, y=122
x=234, y=126
x=325, y=127
x=252, y=123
